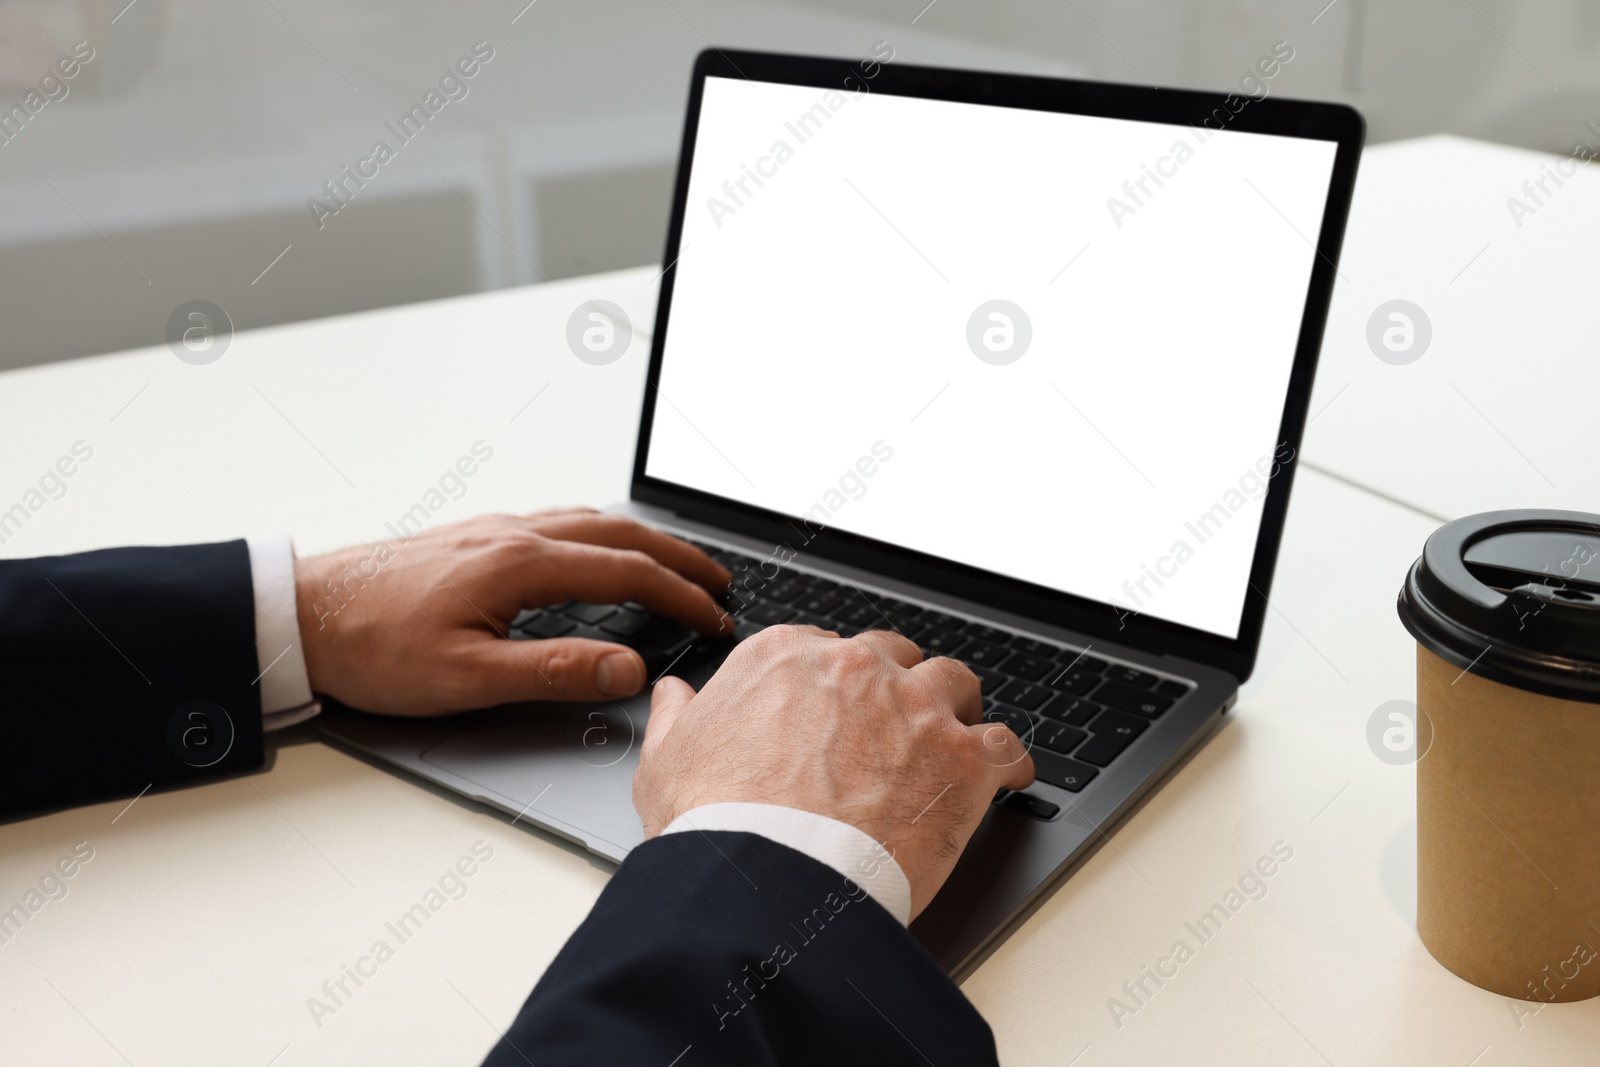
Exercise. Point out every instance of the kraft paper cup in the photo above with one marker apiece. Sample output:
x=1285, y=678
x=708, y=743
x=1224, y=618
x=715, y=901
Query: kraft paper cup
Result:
x=1505, y=607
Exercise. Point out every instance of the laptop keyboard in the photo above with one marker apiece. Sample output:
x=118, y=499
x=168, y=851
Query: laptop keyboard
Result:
x=1074, y=711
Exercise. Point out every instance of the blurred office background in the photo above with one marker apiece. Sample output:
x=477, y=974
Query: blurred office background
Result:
x=177, y=161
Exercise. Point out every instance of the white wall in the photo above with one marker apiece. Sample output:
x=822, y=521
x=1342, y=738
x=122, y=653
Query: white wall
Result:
x=180, y=161
x=1523, y=72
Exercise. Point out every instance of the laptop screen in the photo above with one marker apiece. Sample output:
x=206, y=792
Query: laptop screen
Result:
x=1051, y=346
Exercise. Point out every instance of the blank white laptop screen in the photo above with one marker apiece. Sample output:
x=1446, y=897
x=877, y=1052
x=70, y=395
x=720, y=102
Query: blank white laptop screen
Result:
x=1051, y=346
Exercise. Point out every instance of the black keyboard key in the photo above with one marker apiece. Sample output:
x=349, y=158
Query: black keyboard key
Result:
x=1026, y=804
x=1026, y=695
x=546, y=625
x=1035, y=648
x=1112, y=719
x=1111, y=732
x=983, y=654
x=943, y=621
x=1054, y=699
x=869, y=603
x=1030, y=667
x=906, y=622
x=591, y=633
x=770, y=614
x=938, y=642
x=1074, y=681
x=1132, y=676
x=978, y=631
x=1062, y=772
x=1013, y=717
x=661, y=633
x=856, y=614
x=782, y=591
x=659, y=660
x=1082, y=661
x=1131, y=698
x=1058, y=736
x=1074, y=711
x=815, y=603
x=591, y=613
x=626, y=623
x=874, y=618
x=899, y=622
x=1167, y=687
x=890, y=606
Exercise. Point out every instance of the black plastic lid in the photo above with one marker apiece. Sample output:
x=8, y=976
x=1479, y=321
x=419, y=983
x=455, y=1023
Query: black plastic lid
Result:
x=1513, y=596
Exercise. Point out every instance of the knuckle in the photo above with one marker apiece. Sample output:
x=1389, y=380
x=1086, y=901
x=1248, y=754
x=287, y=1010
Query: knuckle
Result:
x=562, y=667
x=956, y=669
x=950, y=680
x=766, y=646
x=783, y=636
x=856, y=655
x=638, y=559
x=502, y=524
x=988, y=738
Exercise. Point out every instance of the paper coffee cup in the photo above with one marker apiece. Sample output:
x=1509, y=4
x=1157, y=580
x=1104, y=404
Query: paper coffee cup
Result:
x=1505, y=608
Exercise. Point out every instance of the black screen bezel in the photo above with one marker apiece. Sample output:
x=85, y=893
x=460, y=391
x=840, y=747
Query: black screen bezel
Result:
x=1271, y=115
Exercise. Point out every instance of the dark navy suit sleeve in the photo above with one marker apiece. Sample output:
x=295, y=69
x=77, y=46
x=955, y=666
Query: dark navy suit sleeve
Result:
x=728, y=948
x=124, y=669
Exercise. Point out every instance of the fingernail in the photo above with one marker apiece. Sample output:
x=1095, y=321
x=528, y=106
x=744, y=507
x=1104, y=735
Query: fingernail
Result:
x=619, y=675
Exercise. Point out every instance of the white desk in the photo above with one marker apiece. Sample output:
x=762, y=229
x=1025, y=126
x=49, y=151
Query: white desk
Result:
x=209, y=915
x=1495, y=413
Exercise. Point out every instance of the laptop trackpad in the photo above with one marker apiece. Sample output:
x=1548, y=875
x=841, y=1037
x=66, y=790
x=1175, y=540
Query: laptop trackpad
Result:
x=574, y=769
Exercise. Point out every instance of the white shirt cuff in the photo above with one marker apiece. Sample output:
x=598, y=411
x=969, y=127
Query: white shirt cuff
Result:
x=285, y=687
x=841, y=846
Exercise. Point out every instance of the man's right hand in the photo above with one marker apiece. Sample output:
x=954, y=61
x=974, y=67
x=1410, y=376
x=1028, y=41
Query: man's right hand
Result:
x=862, y=730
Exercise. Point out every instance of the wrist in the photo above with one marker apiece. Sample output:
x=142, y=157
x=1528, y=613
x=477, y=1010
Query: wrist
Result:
x=315, y=608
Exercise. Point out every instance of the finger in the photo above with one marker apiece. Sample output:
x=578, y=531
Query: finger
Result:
x=670, y=696
x=562, y=668
x=1009, y=764
x=619, y=531
x=896, y=646
x=957, y=687
x=805, y=628
x=555, y=513
x=600, y=575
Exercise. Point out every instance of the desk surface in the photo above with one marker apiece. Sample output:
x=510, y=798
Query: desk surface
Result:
x=208, y=916
x=1492, y=414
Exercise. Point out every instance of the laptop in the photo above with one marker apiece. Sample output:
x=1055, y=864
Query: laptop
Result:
x=1015, y=366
